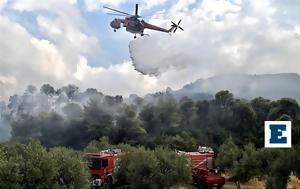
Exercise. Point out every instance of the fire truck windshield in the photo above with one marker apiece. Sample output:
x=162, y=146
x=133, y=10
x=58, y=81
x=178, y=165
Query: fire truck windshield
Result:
x=96, y=163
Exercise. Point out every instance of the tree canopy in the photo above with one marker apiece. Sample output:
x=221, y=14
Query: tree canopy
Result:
x=67, y=117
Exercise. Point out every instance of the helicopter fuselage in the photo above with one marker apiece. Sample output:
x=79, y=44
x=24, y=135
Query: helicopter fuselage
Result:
x=132, y=24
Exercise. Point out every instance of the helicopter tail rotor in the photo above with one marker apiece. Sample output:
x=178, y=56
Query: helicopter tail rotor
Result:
x=174, y=26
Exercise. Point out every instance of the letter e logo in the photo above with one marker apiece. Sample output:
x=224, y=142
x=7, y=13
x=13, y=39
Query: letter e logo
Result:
x=278, y=134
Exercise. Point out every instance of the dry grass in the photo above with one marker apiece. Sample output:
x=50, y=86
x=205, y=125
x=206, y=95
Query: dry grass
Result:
x=294, y=183
x=252, y=184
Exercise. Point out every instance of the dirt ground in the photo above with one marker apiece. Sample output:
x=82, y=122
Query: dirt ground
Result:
x=256, y=184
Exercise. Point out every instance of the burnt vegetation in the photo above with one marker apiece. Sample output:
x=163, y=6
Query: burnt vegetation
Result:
x=67, y=117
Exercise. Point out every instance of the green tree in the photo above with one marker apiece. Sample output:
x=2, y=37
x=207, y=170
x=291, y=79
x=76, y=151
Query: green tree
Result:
x=71, y=172
x=203, y=111
x=158, y=169
x=96, y=146
x=244, y=123
x=183, y=141
x=34, y=164
x=248, y=166
x=52, y=127
x=149, y=119
x=173, y=169
x=224, y=99
x=187, y=111
x=10, y=175
x=229, y=154
x=262, y=107
x=138, y=169
x=98, y=121
x=277, y=165
x=48, y=90
x=168, y=114
x=284, y=106
x=128, y=128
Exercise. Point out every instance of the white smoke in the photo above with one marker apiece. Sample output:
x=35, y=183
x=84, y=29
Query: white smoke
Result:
x=4, y=126
x=66, y=101
x=222, y=37
x=34, y=102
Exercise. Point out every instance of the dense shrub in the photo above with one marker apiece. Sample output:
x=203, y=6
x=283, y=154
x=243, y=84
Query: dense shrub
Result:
x=71, y=170
x=32, y=166
x=161, y=168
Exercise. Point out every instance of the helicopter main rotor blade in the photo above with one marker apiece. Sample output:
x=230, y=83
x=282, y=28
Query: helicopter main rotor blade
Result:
x=117, y=10
x=180, y=28
x=136, y=9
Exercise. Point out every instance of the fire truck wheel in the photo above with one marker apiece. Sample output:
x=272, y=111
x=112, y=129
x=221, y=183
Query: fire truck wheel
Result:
x=201, y=186
x=108, y=185
x=218, y=187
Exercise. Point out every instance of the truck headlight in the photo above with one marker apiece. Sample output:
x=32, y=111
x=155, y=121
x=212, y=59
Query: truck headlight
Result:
x=97, y=182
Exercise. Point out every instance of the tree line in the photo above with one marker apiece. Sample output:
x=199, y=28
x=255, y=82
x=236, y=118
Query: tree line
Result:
x=24, y=166
x=233, y=127
x=182, y=124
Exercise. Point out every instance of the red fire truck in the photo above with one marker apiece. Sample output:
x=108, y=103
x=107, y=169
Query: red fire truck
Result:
x=101, y=167
x=203, y=170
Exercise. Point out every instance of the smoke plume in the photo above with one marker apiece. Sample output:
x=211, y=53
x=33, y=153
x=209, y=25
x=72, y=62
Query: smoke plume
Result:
x=35, y=105
x=221, y=37
x=4, y=125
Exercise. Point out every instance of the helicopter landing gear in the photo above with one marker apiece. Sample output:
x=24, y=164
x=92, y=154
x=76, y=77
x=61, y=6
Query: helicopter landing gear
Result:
x=134, y=37
x=115, y=30
x=142, y=34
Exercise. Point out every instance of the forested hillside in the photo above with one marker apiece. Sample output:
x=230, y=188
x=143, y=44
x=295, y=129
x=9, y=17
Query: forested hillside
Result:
x=67, y=117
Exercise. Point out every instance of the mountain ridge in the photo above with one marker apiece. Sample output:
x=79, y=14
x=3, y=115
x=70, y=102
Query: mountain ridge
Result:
x=272, y=86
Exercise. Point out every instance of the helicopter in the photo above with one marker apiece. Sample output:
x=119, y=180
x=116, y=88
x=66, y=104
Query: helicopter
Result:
x=134, y=25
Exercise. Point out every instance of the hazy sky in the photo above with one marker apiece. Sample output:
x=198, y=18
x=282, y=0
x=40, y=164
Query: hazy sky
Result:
x=69, y=41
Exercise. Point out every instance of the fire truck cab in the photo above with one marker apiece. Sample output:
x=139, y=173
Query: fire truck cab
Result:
x=204, y=173
x=101, y=167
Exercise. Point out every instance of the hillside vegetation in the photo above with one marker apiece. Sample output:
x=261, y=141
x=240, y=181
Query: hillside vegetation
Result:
x=79, y=120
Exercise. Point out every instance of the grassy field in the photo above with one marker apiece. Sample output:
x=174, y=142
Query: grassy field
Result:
x=252, y=184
